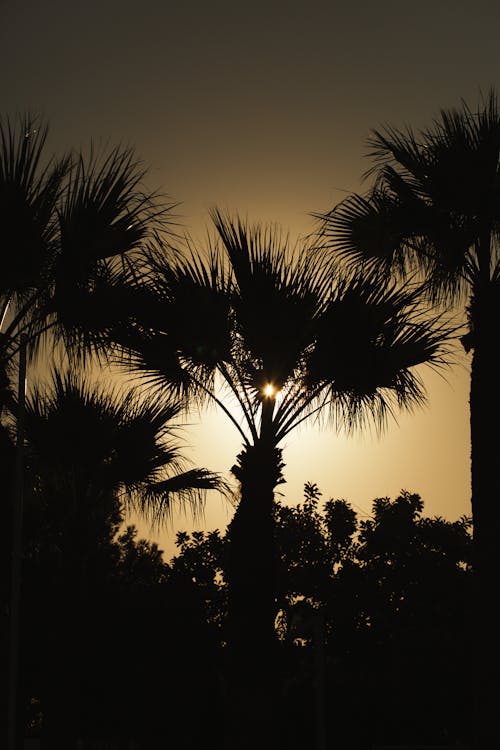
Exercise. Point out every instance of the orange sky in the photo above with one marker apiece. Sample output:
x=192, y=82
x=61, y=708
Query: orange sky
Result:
x=265, y=109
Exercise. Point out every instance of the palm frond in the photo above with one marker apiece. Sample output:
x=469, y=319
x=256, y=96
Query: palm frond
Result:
x=371, y=338
x=90, y=315
x=66, y=224
x=29, y=195
x=400, y=149
x=277, y=296
x=434, y=204
x=87, y=440
x=105, y=212
x=157, y=500
x=194, y=294
x=370, y=231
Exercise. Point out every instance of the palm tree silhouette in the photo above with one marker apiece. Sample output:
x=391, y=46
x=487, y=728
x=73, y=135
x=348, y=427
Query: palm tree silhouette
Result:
x=434, y=208
x=65, y=222
x=273, y=339
x=86, y=442
x=91, y=452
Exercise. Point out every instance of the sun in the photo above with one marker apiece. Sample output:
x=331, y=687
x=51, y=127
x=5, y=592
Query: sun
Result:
x=269, y=390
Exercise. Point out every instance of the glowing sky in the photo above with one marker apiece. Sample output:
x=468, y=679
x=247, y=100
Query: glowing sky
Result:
x=265, y=108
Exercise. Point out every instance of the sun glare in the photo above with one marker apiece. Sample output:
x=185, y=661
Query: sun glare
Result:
x=269, y=390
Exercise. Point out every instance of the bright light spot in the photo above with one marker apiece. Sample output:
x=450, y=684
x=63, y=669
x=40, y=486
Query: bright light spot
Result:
x=269, y=390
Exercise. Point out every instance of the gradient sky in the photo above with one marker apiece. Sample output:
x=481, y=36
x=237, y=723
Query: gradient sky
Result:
x=264, y=108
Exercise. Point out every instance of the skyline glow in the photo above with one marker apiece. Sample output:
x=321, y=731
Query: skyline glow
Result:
x=267, y=114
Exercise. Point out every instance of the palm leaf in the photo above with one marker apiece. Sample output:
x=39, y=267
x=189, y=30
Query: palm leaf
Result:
x=105, y=212
x=434, y=202
x=276, y=298
x=371, y=337
x=156, y=501
x=88, y=441
x=29, y=194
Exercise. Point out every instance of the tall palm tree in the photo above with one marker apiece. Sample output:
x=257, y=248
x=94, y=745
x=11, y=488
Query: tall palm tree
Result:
x=66, y=224
x=434, y=208
x=273, y=339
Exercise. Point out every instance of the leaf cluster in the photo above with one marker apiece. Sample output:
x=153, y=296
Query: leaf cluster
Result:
x=252, y=313
x=433, y=206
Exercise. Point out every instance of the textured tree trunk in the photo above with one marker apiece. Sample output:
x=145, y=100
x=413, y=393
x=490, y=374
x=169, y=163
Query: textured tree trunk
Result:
x=485, y=424
x=252, y=607
x=14, y=723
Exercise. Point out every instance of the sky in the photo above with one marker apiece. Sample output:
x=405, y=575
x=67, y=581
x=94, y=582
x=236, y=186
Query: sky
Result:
x=264, y=109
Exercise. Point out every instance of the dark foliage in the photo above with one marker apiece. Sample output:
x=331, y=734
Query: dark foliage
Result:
x=389, y=594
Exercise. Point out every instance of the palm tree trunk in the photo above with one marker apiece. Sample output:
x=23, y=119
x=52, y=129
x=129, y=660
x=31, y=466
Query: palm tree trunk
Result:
x=485, y=420
x=17, y=556
x=252, y=606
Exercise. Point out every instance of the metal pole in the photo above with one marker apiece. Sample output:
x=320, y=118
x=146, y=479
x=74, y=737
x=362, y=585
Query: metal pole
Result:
x=17, y=528
x=319, y=638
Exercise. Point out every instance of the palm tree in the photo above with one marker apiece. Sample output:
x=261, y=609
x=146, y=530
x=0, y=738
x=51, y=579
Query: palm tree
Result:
x=273, y=339
x=434, y=208
x=87, y=442
x=65, y=223
x=92, y=451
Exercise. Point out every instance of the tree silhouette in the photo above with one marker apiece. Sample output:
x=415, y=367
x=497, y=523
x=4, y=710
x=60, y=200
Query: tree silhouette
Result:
x=434, y=208
x=88, y=442
x=285, y=341
x=90, y=452
x=392, y=592
x=66, y=221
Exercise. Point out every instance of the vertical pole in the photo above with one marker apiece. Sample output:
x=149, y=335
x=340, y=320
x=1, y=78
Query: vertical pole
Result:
x=319, y=638
x=17, y=526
